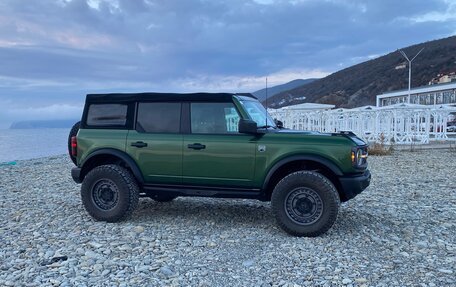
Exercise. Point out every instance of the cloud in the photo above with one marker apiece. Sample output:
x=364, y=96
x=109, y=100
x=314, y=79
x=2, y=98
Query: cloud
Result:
x=56, y=51
x=243, y=83
x=442, y=16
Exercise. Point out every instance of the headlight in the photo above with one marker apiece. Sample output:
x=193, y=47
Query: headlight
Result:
x=359, y=157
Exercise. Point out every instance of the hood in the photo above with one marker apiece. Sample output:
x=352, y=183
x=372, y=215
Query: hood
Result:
x=358, y=141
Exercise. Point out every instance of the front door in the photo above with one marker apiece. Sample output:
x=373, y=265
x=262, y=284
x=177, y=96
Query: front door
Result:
x=215, y=153
x=156, y=144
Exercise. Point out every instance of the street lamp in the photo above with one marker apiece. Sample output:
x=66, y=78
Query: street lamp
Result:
x=410, y=70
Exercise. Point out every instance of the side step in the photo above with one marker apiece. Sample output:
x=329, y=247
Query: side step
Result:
x=204, y=191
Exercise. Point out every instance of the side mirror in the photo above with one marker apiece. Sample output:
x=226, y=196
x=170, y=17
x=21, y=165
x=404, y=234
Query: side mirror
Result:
x=278, y=123
x=247, y=126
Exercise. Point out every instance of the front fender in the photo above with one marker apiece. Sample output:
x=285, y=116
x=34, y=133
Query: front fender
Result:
x=315, y=158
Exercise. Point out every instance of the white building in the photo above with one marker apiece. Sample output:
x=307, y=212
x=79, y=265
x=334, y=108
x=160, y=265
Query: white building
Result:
x=443, y=78
x=441, y=94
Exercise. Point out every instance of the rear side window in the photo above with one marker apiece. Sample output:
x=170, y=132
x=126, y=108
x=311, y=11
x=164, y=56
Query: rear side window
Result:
x=106, y=115
x=158, y=117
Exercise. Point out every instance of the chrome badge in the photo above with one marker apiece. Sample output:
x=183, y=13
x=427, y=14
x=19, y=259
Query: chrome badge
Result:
x=261, y=148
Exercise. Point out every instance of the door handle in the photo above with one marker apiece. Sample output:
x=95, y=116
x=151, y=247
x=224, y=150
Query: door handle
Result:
x=196, y=146
x=139, y=144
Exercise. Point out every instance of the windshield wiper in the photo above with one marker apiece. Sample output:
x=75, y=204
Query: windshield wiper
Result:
x=266, y=127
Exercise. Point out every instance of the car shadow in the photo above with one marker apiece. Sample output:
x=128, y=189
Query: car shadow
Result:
x=233, y=213
x=213, y=210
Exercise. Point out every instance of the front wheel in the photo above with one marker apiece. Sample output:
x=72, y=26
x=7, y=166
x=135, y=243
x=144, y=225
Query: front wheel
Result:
x=305, y=203
x=109, y=193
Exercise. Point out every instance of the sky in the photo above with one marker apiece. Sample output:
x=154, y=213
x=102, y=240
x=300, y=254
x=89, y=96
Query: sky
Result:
x=54, y=52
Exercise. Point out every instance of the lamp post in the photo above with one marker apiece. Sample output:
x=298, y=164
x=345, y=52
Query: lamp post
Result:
x=410, y=70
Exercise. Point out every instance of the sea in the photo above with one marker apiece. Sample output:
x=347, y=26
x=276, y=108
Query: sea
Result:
x=21, y=144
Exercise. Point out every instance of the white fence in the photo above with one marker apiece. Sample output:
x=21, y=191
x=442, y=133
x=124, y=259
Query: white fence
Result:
x=399, y=124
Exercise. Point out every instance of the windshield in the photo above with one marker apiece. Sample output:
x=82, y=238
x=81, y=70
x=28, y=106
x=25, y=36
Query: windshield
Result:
x=258, y=113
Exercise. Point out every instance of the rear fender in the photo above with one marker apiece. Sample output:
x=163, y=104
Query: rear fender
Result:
x=107, y=156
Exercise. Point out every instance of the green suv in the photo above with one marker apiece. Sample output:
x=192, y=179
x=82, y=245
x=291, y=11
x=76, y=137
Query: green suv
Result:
x=163, y=146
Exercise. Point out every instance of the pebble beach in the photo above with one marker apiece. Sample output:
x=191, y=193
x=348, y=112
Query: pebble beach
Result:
x=401, y=231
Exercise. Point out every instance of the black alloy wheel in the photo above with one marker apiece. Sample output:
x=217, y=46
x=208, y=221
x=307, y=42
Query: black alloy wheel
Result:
x=105, y=194
x=304, y=206
x=110, y=193
x=305, y=203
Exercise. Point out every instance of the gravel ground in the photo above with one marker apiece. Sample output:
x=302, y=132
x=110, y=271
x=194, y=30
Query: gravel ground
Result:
x=400, y=232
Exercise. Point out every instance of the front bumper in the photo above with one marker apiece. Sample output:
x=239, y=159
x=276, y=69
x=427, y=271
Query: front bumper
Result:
x=354, y=185
x=76, y=174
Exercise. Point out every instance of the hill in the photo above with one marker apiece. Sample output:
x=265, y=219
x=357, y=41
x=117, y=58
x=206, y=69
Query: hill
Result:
x=358, y=85
x=272, y=91
x=43, y=124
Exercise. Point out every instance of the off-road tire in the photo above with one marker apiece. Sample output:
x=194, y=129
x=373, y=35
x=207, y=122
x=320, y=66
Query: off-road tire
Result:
x=73, y=132
x=162, y=198
x=111, y=179
x=316, y=193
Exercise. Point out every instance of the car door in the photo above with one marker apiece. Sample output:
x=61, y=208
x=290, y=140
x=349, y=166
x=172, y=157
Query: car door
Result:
x=156, y=143
x=214, y=152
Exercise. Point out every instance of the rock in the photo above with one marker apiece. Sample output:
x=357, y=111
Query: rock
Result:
x=230, y=242
x=138, y=229
x=360, y=280
x=405, y=254
x=248, y=263
x=95, y=245
x=91, y=254
x=49, y=254
x=211, y=244
x=97, y=267
x=167, y=271
x=54, y=282
x=143, y=268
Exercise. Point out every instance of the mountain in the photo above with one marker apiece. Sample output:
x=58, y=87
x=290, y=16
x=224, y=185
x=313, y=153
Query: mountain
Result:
x=359, y=85
x=261, y=94
x=43, y=124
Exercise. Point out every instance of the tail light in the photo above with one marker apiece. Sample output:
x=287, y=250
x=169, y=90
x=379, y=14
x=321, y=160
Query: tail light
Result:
x=74, y=146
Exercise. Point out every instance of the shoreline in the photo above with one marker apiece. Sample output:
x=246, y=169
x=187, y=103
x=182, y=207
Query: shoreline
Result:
x=50, y=157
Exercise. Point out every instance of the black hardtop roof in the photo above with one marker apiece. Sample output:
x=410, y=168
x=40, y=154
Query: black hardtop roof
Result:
x=159, y=97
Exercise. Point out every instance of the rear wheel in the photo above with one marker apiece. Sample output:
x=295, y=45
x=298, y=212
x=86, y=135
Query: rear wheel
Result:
x=73, y=132
x=109, y=193
x=305, y=203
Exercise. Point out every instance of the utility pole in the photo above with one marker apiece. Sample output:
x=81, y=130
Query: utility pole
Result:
x=410, y=70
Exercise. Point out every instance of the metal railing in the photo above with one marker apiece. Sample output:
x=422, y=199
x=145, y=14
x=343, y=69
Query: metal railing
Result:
x=398, y=124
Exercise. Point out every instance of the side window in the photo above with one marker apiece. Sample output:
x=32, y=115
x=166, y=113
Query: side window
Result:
x=214, y=118
x=107, y=115
x=158, y=117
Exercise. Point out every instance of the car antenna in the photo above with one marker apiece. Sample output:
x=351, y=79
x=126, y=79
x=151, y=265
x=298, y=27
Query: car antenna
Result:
x=266, y=115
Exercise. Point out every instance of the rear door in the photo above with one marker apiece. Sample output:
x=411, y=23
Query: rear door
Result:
x=215, y=153
x=156, y=144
